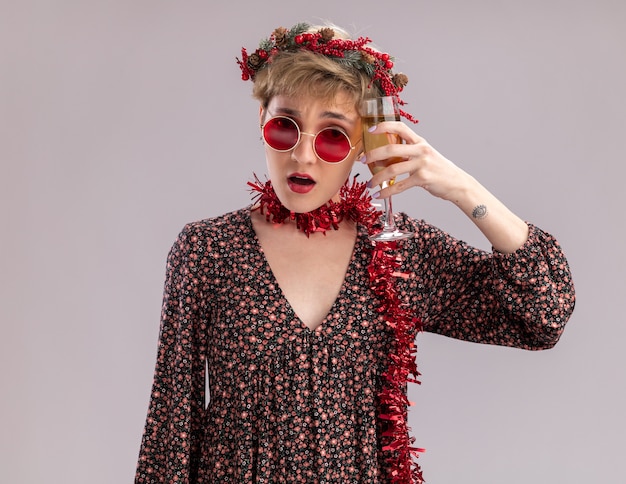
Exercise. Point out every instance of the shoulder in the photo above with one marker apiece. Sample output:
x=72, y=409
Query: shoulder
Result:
x=220, y=226
x=433, y=245
x=200, y=234
x=424, y=231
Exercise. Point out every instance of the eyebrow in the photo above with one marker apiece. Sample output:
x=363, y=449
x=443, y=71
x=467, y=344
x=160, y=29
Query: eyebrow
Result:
x=325, y=114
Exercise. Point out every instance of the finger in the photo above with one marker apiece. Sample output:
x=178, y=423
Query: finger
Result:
x=394, y=151
x=388, y=189
x=399, y=128
x=391, y=172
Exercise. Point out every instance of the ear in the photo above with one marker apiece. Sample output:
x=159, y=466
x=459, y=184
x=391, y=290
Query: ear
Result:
x=261, y=114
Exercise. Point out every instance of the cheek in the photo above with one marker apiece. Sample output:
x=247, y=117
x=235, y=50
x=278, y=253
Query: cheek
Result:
x=272, y=158
x=339, y=174
x=347, y=169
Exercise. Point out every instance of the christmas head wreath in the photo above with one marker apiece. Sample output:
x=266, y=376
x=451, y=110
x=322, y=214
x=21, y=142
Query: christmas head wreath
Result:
x=355, y=54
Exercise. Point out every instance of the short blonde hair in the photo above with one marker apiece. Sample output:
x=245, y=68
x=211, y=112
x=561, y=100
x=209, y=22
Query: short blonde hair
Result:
x=309, y=74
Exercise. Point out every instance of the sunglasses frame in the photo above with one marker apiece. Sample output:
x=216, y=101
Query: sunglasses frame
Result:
x=300, y=133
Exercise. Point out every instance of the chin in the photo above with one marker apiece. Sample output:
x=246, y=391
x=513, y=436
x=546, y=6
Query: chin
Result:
x=303, y=207
x=301, y=203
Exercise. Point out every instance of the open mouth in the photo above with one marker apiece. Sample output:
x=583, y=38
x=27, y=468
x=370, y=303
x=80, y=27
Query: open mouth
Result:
x=300, y=183
x=301, y=180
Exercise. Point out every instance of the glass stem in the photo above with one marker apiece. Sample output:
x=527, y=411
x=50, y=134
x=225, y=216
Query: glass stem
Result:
x=390, y=224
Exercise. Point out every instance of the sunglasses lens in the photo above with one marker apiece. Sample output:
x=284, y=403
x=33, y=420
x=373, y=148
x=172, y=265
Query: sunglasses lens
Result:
x=332, y=145
x=281, y=133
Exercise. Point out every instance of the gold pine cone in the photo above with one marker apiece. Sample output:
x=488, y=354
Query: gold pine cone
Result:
x=368, y=58
x=327, y=34
x=400, y=80
x=280, y=36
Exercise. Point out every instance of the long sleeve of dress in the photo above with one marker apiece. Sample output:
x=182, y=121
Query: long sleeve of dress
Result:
x=170, y=446
x=521, y=299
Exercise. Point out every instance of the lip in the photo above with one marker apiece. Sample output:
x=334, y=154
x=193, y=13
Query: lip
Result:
x=300, y=182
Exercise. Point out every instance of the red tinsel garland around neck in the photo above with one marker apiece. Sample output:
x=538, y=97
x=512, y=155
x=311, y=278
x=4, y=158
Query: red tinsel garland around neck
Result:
x=383, y=269
x=355, y=205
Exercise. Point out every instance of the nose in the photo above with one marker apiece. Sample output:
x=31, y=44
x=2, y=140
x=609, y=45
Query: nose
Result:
x=304, y=152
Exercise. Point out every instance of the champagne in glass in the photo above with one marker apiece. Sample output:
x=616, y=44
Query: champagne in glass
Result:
x=371, y=140
x=373, y=112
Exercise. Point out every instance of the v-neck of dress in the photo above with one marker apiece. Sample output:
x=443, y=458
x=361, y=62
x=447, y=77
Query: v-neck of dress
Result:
x=361, y=236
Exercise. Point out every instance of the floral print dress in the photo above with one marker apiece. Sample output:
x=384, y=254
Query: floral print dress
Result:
x=287, y=404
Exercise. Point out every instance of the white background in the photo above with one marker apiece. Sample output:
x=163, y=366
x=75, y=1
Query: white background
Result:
x=122, y=120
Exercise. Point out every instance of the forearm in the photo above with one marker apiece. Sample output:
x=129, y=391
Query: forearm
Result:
x=505, y=231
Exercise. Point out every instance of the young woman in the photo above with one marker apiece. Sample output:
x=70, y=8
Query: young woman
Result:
x=301, y=324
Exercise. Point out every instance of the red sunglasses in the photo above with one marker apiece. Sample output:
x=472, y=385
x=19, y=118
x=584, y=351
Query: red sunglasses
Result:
x=331, y=145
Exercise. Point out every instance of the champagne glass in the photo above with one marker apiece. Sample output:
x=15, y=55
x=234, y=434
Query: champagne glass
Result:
x=373, y=112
